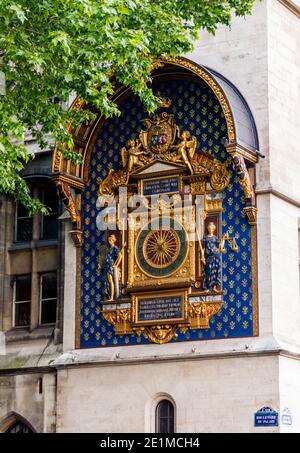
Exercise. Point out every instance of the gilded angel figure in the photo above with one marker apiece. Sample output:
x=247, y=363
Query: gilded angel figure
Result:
x=131, y=156
x=186, y=149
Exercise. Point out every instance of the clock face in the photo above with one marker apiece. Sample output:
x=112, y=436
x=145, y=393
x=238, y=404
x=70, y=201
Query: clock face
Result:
x=161, y=251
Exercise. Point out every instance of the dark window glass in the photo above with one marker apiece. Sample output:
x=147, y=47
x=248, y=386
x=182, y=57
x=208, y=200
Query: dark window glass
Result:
x=165, y=417
x=23, y=225
x=23, y=288
x=22, y=211
x=49, y=227
x=18, y=428
x=22, y=298
x=48, y=298
x=22, y=314
x=49, y=285
x=48, y=314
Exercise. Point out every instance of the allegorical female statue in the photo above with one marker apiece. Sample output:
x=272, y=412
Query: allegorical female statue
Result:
x=211, y=250
x=109, y=269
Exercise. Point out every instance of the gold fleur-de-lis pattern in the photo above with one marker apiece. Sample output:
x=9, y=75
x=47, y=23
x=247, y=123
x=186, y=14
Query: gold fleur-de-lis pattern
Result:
x=195, y=108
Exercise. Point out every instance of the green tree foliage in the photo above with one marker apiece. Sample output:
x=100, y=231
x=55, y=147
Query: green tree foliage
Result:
x=55, y=48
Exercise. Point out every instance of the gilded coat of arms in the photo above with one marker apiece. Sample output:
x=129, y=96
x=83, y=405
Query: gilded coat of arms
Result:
x=160, y=133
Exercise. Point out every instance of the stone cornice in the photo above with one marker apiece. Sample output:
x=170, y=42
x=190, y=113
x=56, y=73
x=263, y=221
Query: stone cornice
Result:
x=185, y=357
x=295, y=9
x=27, y=370
x=181, y=358
x=277, y=193
x=53, y=368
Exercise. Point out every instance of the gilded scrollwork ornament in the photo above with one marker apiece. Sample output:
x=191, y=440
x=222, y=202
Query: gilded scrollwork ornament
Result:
x=160, y=334
x=112, y=182
x=200, y=313
x=120, y=319
x=211, y=167
x=220, y=177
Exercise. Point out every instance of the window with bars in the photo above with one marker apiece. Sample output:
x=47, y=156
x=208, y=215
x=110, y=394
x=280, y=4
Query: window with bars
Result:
x=22, y=300
x=165, y=422
x=48, y=298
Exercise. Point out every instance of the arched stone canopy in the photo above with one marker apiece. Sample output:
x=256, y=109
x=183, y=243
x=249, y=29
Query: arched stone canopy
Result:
x=246, y=133
x=241, y=140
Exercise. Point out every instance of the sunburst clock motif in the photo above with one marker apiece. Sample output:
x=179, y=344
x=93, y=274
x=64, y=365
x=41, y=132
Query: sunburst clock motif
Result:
x=161, y=251
x=161, y=247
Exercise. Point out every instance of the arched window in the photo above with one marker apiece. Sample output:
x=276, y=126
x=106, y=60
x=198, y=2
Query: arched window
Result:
x=18, y=428
x=165, y=422
x=15, y=423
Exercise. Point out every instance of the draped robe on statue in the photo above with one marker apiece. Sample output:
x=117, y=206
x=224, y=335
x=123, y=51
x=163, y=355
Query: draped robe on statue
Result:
x=109, y=269
x=212, y=268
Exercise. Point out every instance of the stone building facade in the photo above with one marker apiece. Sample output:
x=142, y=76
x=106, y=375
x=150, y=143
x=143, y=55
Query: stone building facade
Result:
x=56, y=375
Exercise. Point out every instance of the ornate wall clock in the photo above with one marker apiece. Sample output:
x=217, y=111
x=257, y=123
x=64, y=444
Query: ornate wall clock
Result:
x=170, y=277
x=135, y=286
x=152, y=278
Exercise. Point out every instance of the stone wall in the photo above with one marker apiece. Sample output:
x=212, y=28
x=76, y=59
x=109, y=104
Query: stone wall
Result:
x=284, y=133
x=218, y=395
x=20, y=395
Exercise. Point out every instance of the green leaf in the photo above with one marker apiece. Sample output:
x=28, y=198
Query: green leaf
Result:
x=55, y=48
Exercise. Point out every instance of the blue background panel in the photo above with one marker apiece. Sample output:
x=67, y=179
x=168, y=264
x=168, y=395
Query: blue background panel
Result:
x=196, y=109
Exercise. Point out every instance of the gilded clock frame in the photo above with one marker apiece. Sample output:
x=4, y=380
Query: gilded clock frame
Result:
x=137, y=277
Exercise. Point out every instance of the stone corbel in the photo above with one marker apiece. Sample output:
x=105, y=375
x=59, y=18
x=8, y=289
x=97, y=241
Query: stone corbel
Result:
x=251, y=214
x=120, y=318
x=200, y=313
